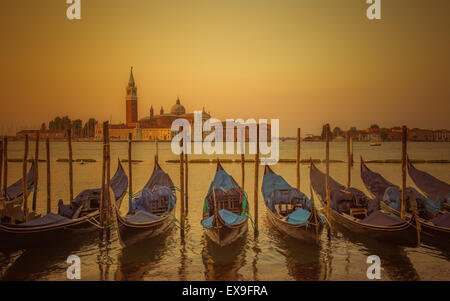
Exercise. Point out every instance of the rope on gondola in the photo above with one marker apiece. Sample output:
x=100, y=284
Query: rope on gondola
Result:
x=96, y=224
x=178, y=189
x=245, y=210
x=174, y=221
x=251, y=219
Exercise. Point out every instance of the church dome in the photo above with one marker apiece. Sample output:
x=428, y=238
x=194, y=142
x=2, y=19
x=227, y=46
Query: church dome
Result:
x=177, y=109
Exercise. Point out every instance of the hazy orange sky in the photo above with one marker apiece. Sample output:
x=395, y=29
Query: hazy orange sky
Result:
x=306, y=62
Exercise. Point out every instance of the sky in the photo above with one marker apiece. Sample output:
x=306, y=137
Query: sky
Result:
x=306, y=62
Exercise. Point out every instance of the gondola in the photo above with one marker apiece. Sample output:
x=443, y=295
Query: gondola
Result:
x=150, y=212
x=431, y=186
x=352, y=210
x=79, y=216
x=290, y=210
x=11, y=205
x=433, y=222
x=228, y=221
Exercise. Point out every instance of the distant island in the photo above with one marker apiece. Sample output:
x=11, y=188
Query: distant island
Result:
x=377, y=134
x=57, y=129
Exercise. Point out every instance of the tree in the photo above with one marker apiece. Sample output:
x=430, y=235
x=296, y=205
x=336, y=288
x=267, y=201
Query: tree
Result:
x=43, y=127
x=337, y=132
x=374, y=126
x=324, y=131
x=57, y=123
x=66, y=123
x=353, y=131
x=77, y=126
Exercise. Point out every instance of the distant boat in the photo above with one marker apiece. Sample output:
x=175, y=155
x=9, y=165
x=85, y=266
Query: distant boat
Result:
x=375, y=143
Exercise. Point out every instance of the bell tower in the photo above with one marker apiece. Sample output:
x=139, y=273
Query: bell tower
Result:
x=131, y=101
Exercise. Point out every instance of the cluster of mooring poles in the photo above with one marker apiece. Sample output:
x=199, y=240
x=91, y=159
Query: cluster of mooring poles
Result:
x=106, y=206
x=18, y=211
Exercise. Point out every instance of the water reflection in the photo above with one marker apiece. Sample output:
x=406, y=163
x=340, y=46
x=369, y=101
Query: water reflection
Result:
x=437, y=247
x=184, y=236
x=257, y=250
x=137, y=261
x=46, y=262
x=394, y=259
x=303, y=259
x=104, y=260
x=223, y=263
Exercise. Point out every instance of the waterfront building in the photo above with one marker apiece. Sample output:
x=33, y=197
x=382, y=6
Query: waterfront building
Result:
x=148, y=128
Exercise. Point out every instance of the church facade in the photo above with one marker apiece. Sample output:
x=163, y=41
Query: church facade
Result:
x=148, y=128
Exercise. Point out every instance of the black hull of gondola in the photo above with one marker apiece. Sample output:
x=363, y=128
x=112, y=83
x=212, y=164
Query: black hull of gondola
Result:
x=430, y=233
x=225, y=235
x=130, y=233
x=308, y=234
x=404, y=234
x=17, y=238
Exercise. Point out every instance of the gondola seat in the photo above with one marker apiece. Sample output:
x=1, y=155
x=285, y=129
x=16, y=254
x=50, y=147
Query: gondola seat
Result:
x=160, y=206
x=230, y=200
x=358, y=212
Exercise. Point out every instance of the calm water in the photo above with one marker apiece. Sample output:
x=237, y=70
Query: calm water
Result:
x=268, y=256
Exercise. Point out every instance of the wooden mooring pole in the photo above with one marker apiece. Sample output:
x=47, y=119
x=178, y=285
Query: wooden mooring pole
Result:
x=69, y=140
x=255, y=192
x=108, y=180
x=351, y=150
x=182, y=188
x=298, y=159
x=5, y=166
x=186, y=185
x=349, y=161
x=156, y=149
x=404, y=136
x=130, y=174
x=24, y=180
x=327, y=163
x=243, y=171
x=1, y=162
x=36, y=171
x=47, y=147
x=102, y=192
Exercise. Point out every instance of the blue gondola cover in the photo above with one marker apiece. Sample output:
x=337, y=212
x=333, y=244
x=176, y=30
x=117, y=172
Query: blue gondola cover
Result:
x=298, y=217
x=228, y=217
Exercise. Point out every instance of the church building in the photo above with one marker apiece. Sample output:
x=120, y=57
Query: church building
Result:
x=148, y=128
